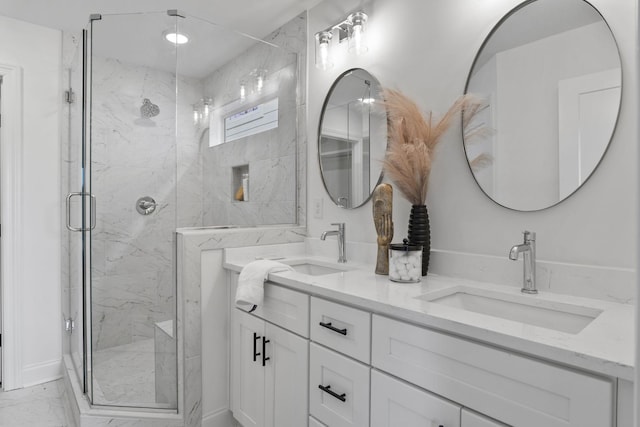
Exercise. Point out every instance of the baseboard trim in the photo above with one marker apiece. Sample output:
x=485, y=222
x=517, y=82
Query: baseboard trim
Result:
x=40, y=373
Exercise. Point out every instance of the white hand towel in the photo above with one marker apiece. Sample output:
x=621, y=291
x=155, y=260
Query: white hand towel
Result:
x=250, y=292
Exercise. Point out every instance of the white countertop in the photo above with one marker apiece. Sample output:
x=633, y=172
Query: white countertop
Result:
x=604, y=346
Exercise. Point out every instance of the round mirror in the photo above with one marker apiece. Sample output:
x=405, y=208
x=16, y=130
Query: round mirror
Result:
x=352, y=138
x=549, y=78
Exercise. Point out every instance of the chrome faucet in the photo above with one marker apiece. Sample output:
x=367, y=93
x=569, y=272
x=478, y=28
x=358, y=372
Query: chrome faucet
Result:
x=528, y=248
x=342, y=255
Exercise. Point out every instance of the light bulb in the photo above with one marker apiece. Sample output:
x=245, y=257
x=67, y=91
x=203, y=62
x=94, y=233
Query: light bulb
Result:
x=243, y=91
x=357, y=42
x=323, y=54
x=357, y=47
x=259, y=83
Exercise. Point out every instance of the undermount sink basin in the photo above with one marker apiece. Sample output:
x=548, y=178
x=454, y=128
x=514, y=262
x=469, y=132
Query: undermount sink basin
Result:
x=520, y=308
x=315, y=268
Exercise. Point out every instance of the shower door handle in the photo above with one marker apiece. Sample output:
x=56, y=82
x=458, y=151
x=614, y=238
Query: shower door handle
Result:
x=69, y=197
x=92, y=223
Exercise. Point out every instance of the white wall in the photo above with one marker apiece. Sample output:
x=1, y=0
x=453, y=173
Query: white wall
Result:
x=425, y=48
x=37, y=50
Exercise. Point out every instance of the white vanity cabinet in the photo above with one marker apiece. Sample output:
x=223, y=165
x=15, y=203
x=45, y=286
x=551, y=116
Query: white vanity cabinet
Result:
x=335, y=365
x=509, y=387
x=270, y=364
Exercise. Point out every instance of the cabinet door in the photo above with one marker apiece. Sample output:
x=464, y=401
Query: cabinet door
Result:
x=394, y=403
x=471, y=419
x=248, y=376
x=339, y=389
x=286, y=378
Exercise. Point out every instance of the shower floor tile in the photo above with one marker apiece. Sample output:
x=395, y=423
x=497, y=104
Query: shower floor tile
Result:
x=125, y=375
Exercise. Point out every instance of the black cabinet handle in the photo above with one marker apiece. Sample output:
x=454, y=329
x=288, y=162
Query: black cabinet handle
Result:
x=264, y=351
x=333, y=328
x=256, y=337
x=327, y=389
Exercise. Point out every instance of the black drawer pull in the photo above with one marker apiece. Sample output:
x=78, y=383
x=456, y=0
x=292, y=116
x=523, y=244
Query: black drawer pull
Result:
x=333, y=328
x=256, y=337
x=327, y=389
x=264, y=351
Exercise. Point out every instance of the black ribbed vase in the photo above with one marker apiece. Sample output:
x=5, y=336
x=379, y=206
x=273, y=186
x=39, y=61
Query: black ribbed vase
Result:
x=420, y=233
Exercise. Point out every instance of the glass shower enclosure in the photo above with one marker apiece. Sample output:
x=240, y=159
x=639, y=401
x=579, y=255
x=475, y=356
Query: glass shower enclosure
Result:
x=169, y=133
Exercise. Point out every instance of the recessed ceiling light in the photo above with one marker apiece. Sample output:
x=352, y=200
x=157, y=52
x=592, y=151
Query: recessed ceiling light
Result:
x=176, y=38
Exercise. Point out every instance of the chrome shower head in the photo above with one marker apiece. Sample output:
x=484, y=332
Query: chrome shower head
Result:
x=149, y=109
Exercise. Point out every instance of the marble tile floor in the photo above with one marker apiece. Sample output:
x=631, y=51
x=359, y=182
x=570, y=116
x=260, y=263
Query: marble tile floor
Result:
x=38, y=406
x=125, y=374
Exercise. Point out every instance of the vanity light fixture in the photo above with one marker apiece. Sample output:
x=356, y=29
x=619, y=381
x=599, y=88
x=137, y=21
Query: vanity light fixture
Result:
x=352, y=29
x=259, y=76
x=253, y=84
x=201, y=110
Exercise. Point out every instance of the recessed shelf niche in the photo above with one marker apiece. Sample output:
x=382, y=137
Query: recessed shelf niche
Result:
x=240, y=192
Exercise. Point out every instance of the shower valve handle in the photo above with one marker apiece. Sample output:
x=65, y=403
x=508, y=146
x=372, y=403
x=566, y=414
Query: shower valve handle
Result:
x=146, y=205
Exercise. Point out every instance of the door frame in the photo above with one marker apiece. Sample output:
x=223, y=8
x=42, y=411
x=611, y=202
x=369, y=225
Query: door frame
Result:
x=11, y=210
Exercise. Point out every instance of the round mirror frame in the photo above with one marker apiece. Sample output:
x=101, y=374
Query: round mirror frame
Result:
x=615, y=123
x=322, y=115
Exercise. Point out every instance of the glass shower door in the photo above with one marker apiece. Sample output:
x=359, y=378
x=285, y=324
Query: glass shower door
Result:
x=73, y=190
x=132, y=174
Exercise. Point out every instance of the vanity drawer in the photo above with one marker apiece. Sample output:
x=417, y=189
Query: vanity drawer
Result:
x=509, y=387
x=342, y=328
x=282, y=306
x=344, y=401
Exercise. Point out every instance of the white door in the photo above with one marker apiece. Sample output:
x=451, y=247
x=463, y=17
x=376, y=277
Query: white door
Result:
x=471, y=419
x=395, y=403
x=286, y=378
x=248, y=376
x=587, y=107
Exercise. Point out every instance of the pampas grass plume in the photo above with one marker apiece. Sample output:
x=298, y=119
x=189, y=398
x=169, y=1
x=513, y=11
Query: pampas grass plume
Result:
x=413, y=137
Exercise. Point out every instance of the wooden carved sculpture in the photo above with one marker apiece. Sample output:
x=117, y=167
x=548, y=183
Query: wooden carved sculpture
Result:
x=382, y=218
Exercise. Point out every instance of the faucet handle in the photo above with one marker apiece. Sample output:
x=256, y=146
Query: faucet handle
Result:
x=339, y=224
x=529, y=236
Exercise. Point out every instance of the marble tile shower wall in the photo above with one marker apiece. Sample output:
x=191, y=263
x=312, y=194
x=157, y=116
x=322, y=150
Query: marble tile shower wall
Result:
x=271, y=156
x=133, y=283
